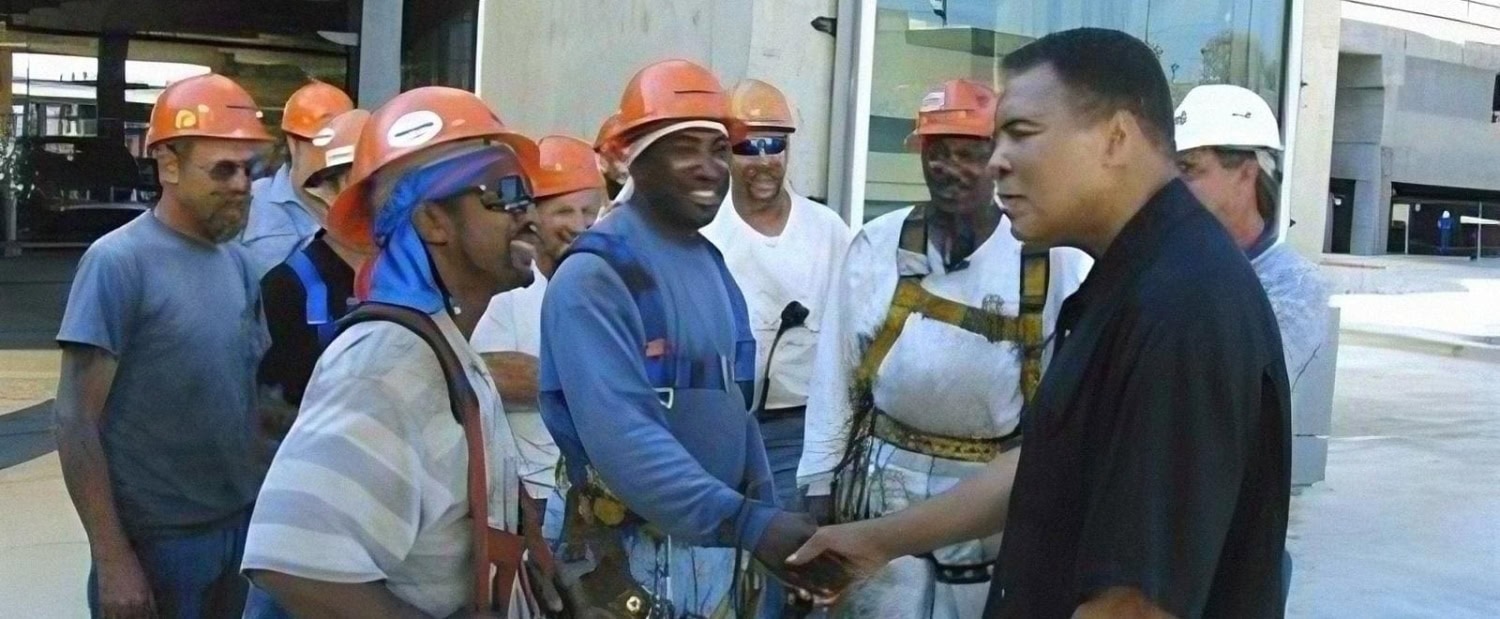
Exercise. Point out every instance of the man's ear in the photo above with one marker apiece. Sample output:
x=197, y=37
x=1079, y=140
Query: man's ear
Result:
x=168, y=165
x=433, y=223
x=1122, y=130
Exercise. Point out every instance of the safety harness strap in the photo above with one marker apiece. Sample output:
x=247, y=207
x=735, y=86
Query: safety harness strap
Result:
x=318, y=315
x=499, y=555
x=666, y=370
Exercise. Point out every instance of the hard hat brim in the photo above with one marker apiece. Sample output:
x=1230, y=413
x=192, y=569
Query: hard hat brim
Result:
x=350, y=218
x=914, y=141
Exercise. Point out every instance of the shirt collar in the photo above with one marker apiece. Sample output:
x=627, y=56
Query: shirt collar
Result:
x=1139, y=242
x=1264, y=242
x=281, y=190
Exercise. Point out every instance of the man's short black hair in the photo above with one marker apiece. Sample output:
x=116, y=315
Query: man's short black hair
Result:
x=1106, y=71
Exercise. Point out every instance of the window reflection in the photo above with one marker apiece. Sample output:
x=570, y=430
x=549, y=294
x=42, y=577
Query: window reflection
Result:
x=921, y=43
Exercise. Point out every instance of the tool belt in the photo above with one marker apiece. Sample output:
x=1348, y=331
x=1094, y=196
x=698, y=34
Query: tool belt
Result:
x=500, y=557
x=595, y=566
x=966, y=449
x=965, y=574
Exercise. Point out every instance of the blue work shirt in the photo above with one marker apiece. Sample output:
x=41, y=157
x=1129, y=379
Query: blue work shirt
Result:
x=279, y=225
x=697, y=470
x=183, y=319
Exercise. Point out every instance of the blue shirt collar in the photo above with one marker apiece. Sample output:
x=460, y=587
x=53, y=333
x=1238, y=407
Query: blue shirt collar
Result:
x=281, y=190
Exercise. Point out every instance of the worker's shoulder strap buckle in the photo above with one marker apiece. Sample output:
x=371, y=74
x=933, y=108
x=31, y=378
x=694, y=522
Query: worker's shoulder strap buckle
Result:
x=667, y=396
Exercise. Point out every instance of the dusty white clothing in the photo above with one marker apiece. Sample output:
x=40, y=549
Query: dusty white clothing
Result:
x=371, y=482
x=937, y=378
x=513, y=323
x=1299, y=297
x=801, y=264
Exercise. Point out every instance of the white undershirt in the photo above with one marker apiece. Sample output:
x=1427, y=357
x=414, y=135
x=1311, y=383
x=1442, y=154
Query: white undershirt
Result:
x=801, y=264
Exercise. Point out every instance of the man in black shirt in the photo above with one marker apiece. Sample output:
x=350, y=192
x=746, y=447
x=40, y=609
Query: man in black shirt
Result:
x=1154, y=477
x=312, y=290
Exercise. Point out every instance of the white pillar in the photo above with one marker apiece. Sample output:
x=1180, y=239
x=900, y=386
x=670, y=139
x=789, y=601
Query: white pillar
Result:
x=379, y=52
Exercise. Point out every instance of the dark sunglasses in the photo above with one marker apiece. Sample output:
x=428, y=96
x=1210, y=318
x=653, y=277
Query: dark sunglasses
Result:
x=225, y=171
x=758, y=146
x=509, y=194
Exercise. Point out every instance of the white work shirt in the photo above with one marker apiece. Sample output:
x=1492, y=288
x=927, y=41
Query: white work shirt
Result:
x=801, y=264
x=278, y=224
x=371, y=484
x=937, y=378
x=513, y=323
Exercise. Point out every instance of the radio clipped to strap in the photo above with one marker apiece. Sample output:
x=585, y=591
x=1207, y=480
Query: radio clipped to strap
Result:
x=666, y=370
x=318, y=315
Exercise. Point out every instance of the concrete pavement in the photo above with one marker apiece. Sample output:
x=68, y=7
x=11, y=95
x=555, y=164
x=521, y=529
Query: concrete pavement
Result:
x=1404, y=524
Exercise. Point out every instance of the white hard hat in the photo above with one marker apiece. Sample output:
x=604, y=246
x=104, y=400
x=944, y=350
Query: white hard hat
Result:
x=1225, y=116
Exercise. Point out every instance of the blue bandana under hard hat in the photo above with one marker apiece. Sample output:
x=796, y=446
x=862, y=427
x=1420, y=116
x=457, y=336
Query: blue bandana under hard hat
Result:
x=401, y=272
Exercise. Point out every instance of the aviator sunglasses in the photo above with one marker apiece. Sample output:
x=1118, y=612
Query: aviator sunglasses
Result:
x=762, y=145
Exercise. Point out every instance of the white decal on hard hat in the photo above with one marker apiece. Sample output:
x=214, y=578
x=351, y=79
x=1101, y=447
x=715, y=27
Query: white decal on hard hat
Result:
x=414, y=129
x=323, y=138
x=339, y=156
x=933, y=101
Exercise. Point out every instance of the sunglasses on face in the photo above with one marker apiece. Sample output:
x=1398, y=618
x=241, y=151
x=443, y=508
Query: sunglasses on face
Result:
x=226, y=170
x=758, y=146
x=509, y=194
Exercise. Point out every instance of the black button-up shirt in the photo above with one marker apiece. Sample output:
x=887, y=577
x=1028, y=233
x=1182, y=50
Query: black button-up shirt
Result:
x=1157, y=450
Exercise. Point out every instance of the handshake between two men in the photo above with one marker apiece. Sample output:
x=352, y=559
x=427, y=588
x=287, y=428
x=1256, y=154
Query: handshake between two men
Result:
x=820, y=563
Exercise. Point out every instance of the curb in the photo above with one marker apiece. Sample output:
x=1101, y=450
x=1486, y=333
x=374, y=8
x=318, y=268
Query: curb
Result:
x=1476, y=348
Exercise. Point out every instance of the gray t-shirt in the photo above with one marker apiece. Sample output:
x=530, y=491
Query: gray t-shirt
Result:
x=184, y=320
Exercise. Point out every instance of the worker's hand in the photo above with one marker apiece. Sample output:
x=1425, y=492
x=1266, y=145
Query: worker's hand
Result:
x=124, y=592
x=853, y=546
x=820, y=576
x=820, y=508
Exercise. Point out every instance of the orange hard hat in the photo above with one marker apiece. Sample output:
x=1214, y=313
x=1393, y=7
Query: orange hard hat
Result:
x=205, y=106
x=958, y=107
x=311, y=107
x=411, y=122
x=757, y=104
x=335, y=142
x=671, y=90
x=604, y=143
x=566, y=165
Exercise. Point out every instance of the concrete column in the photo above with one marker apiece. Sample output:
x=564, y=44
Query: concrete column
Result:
x=379, y=52
x=1372, y=199
x=1308, y=178
x=114, y=48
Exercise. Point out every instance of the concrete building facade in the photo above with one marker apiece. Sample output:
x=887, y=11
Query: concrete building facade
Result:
x=1415, y=131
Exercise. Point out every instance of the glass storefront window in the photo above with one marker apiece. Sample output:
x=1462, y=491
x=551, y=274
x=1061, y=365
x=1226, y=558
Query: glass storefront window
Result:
x=438, y=43
x=72, y=154
x=921, y=43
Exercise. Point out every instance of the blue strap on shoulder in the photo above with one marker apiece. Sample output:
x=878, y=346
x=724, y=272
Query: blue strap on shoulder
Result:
x=318, y=315
x=744, y=338
x=665, y=370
